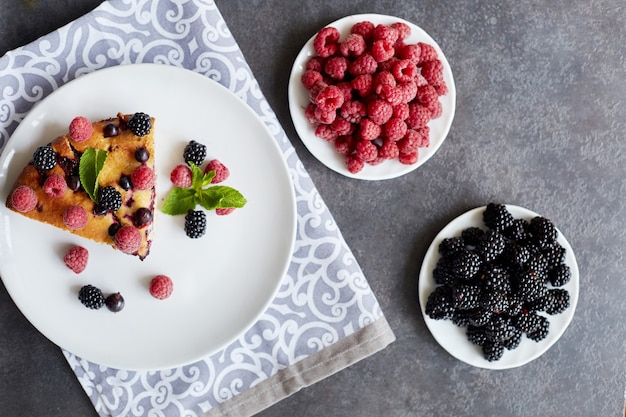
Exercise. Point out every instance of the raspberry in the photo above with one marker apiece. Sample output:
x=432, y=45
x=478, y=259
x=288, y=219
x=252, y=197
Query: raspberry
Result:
x=161, y=287
x=436, y=110
x=309, y=78
x=76, y=259
x=143, y=177
x=418, y=116
x=75, y=217
x=427, y=52
x=364, y=28
x=326, y=133
x=379, y=111
x=378, y=160
x=387, y=65
x=432, y=71
x=324, y=116
x=221, y=171
x=326, y=42
x=354, y=164
x=315, y=63
x=128, y=239
x=341, y=127
x=140, y=124
x=408, y=158
x=408, y=90
x=194, y=152
x=195, y=223
x=393, y=95
x=353, y=111
x=365, y=64
x=336, y=67
x=344, y=145
x=346, y=89
x=366, y=150
x=386, y=33
x=363, y=84
x=411, y=52
x=353, y=45
x=382, y=50
x=389, y=149
x=369, y=130
x=24, y=199
x=403, y=30
x=55, y=185
x=80, y=129
x=410, y=142
x=383, y=78
x=91, y=297
x=425, y=133
x=427, y=95
x=181, y=176
x=44, y=158
x=220, y=211
x=309, y=113
x=394, y=129
x=315, y=90
x=405, y=70
x=329, y=99
x=442, y=89
x=401, y=111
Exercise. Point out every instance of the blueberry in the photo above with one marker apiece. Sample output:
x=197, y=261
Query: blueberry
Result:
x=115, y=302
x=73, y=182
x=111, y=129
x=142, y=154
x=125, y=182
x=114, y=228
x=142, y=216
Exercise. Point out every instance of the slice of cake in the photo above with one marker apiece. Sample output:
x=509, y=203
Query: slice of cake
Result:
x=97, y=181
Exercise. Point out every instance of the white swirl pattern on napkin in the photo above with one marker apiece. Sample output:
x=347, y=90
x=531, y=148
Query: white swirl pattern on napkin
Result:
x=324, y=296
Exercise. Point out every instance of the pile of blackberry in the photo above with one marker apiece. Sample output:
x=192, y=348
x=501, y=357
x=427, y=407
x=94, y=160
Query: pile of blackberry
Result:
x=500, y=282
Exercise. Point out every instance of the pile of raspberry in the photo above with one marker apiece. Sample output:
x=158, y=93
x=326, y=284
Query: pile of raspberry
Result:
x=372, y=94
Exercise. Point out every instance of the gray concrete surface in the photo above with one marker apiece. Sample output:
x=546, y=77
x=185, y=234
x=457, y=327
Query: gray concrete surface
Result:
x=540, y=122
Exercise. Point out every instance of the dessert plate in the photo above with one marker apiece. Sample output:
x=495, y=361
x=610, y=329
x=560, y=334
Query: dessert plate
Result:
x=453, y=338
x=325, y=151
x=222, y=282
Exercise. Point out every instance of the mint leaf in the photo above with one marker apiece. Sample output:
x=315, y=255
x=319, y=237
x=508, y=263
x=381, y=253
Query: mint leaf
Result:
x=207, y=178
x=221, y=196
x=180, y=201
x=90, y=165
x=196, y=176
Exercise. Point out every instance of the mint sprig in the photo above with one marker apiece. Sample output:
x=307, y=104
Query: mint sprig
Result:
x=181, y=200
x=91, y=163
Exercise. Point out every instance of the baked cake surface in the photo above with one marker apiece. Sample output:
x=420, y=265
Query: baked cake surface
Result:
x=125, y=153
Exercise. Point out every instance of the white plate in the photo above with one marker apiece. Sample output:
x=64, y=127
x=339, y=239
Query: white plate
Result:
x=325, y=151
x=453, y=338
x=222, y=281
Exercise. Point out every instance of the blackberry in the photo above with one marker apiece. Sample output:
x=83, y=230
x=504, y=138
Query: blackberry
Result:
x=462, y=318
x=491, y=246
x=465, y=265
x=513, y=341
x=554, y=255
x=541, y=304
x=492, y=351
x=494, y=301
x=537, y=263
x=515, y=254
x=450, y=246
x=439, y=305
x=91, y=297
x=559, y=301
x=472, y=235
x=476, y=335
x=540, y=332
x=466, y=297
x=515, y=306
x=140, y=124
x=543, y=232
x=479, y=316
x=518, y=231
x=496, y=217
x=109, y=199
x=499, y=329
x=560, y=275
x=442, y=274
x=194, y=152
x=44, y=158
x=529, y=322
x=531, y=287
x=195, y=223
x=496, y=278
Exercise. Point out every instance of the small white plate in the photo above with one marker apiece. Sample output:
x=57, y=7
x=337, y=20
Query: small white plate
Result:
x=325, y=151
x=453, y=338
x=222, y=282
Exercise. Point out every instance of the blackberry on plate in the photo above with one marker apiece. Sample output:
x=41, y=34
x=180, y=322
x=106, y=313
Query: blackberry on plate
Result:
x=439, y=305
x=492, y=351
x=466, y=297
x=540, y=332
x=496, y=278
x=472, y=235
x=494, y=301
x=497, y=217
x=542, y=231
x=518, y=231
x=531, y=287
x=91, y=297
x=529, y=322
x=442, y=274
x=537, y=263
x=476, y=335
x=554, y=255
x=513, y=341
x=140, y=124
x=465, y=264
x=109, y=198
x=491, y=246
x=194, y=152
x=516, y=306
x=195, y=223
x=449, y=246
x=44, y=158
x=559, y=275
x=499, y=329
x=559, y=301
x=515, y=254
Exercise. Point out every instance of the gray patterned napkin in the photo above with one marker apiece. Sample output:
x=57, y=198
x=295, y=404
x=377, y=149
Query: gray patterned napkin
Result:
x=324, y=316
